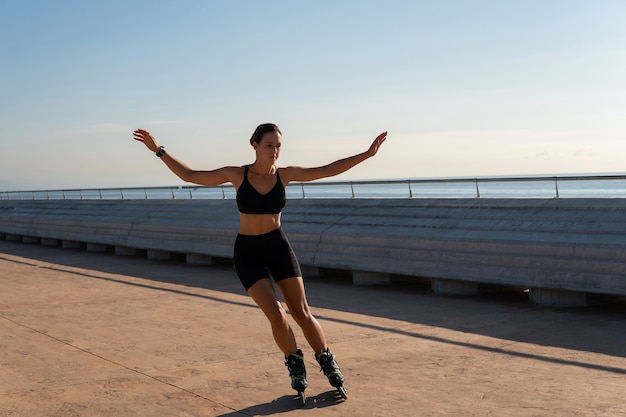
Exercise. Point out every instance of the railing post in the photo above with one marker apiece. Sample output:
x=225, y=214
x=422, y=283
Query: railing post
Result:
x=556, y=186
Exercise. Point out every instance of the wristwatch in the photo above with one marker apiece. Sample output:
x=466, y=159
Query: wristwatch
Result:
x=161, y=151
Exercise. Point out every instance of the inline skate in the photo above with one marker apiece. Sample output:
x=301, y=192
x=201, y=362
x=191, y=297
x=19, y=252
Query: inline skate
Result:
x=330, y=368
x=297, y=372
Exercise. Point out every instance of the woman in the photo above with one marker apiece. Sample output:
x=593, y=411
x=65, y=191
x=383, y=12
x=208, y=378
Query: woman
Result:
x=262, y=249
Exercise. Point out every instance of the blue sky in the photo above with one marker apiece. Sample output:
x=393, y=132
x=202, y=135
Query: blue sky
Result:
x=465, y=88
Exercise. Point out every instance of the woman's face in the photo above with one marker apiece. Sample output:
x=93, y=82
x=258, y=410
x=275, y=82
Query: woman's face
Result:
x=269, y=148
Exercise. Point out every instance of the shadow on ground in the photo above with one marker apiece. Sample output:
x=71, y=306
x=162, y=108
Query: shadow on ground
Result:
x=287, y=403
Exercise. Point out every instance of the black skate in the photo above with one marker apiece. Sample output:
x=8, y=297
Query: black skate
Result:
x=330, y=368
x=297, y=372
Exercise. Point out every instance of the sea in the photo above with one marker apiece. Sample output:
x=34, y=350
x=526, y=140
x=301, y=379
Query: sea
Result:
x=573, y=186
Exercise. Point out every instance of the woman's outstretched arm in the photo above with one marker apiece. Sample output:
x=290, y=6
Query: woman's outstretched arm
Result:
x=184, y=172
x=334, y=168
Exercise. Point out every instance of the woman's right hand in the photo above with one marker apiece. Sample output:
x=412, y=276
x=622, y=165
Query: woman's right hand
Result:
x=147, y=139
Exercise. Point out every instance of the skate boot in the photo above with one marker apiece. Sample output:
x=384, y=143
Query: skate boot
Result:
x=297, y=372
x=330, y=368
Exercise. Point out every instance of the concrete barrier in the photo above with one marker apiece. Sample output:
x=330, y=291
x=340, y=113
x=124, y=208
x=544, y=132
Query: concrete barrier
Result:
x=564, y=251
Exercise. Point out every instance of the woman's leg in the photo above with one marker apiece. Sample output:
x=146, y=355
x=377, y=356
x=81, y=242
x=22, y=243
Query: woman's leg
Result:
x=292, y=290
x=264, y=295
x=295, y=298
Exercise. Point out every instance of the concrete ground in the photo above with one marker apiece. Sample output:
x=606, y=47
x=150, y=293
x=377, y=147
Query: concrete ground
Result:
x=95, y=334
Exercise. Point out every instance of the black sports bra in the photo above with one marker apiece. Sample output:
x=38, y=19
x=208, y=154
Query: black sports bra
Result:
x=250, y=201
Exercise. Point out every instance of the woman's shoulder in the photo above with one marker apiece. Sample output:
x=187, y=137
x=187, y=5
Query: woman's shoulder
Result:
x=287, y=173
x=233, y=173
x=230, y=170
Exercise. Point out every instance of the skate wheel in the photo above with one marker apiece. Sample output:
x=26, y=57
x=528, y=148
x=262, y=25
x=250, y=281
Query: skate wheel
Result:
x=302, y=397
x=342, y=392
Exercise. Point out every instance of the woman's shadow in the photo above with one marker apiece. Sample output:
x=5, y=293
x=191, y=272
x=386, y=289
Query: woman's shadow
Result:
x=288, y=403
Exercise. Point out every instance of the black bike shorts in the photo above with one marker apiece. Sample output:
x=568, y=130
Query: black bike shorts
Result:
x=264, y=256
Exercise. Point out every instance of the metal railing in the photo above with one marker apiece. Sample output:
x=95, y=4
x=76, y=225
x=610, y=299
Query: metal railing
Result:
x=605, y=186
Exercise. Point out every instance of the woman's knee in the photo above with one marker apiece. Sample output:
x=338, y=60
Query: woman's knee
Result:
x=301, y=315
x=277, y=316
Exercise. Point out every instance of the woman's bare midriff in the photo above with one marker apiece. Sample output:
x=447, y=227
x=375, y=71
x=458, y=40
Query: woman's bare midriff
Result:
x=258, y=224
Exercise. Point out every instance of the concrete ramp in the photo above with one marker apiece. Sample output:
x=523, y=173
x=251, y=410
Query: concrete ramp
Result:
x=564, y=251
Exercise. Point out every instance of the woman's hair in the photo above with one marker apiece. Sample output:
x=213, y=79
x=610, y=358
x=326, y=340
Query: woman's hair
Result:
x=262, y=130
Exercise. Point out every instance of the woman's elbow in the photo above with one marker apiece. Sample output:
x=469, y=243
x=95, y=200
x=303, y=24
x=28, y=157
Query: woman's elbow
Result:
x=187, y=176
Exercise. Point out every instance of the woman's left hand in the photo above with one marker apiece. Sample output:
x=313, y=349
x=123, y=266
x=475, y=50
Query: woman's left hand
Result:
x=376, y=144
